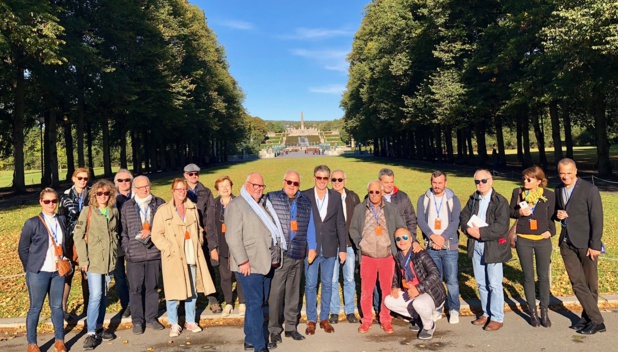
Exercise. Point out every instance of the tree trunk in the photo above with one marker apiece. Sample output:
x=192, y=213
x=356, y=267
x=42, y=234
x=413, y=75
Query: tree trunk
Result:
x=438, y=138
x=540, y=138
x=461, y=144
x=555, y=131
x=68, y=141
x=568, y=135
x=137, y=157
x=600, y=124
x=90, y=160
x=19, y=179
x=46, y=174
x=500, y=141
x=519, y=138
x=52, y=127
x=448, y=138
x=123, y=149
x=107, y=158
x=81, y=161
x=481, y=142
x=469, y=142
x=525, y=130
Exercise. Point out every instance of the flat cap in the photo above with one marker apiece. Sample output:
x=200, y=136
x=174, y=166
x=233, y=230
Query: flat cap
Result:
x=192, y=168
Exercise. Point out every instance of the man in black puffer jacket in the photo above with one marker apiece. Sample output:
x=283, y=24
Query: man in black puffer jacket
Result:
x=143, y=258
x=417, y=287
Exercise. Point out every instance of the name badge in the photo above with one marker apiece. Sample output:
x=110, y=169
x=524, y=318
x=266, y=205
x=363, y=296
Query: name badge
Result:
x=223, y=228
x=146, y=226
x=533, y=224
x=294, y=225
x=404, y=284
x=378, y=230
x=437, y=225
x=187, y=236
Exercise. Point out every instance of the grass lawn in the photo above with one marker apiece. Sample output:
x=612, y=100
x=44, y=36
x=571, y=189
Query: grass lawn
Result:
x=33, y=177
x=412, y=180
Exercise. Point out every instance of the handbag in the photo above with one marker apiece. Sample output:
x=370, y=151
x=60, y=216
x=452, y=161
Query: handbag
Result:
x=512, y=234
x=63, y=265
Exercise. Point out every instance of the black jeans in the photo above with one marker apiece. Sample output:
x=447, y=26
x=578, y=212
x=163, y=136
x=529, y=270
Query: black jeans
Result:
x=226, y=282
x=584, y=276
x=528, y=250
x=143, y=280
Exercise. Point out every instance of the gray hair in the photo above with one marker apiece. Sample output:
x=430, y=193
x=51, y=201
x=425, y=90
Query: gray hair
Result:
x=339, y=170
x=484, y=170
x=292, y=172
x=122, y=171
x=321, y=168
x=385, y=172
x=141, y=177
x=567, y=161
x=378, y=182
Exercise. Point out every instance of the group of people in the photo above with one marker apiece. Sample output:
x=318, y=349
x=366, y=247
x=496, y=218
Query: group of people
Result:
x=268, y=241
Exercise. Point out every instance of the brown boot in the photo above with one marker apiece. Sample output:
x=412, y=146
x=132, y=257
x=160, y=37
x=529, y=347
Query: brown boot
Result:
x=482, y=320
x=324, y=324
x=33, y=348
x=310, y=328
x=59, y=346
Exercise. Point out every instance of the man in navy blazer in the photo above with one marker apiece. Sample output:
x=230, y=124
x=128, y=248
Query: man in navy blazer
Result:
x=580, y=212
x=331, y=239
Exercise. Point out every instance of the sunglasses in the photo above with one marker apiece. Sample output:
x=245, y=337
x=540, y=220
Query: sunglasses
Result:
x=79, y=178
x=375, y=192
x=47, y=201
x=404, y=237
x=142, y=187
x=289, y=183
x=528, y=179
x=106, y=193
x=479, y=181
x=192, y=173
x=337, y=179
x=319, y=178
x=120, y=180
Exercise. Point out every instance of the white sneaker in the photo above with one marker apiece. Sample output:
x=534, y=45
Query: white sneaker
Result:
x=175, y=330
x=435, y=316
x=227, y=310
x=454, y=317
x=193, y=327
x=242, y=308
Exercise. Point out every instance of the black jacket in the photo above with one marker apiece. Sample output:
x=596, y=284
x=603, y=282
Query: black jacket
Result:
x=351, y=200
x=543, y=213
x=205, y=203
x=134, y=250
x=34, y=242
x=405, y=208
x=224, y=250
x=585, y=222
x=428, y=275
x=494, y=236
x=330, y=234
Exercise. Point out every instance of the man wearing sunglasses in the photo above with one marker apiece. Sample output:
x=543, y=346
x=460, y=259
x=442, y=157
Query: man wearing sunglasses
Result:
x=293, y=209
x=438, y=219
x=331, y=240
x=373, y=231
x=205, y=202
x=123, y=181
x=485, y=220
x=349, y=200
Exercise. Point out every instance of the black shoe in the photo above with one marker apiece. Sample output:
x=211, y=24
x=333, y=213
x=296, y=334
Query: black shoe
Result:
x=592, y=328
x=69, y=318
x=352, y=318
x=90, y=342
x=248, y=347
x=580, y=324
x=271, y=346
x=127, y=312
x=295, y=335
x=534, y=318
x=138, y=329
x=415, y=327
x=155, y=325
x=275, y=337
x=545, y=322
x=106, y=335
x=333, y=319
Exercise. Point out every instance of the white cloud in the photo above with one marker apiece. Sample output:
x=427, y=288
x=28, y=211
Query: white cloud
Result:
x=328, y=89
x=333, y=60
x=318, y=33
x=236, y=24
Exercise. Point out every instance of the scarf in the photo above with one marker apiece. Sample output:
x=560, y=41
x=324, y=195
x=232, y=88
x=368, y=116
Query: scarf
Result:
x=143, y=203
x=272, y=223
x=405, y=264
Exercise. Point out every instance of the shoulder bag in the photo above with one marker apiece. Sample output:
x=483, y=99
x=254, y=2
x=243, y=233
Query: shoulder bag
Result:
x=63, y=265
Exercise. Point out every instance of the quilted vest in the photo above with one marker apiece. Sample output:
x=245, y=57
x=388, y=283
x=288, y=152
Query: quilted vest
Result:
x=297, y=247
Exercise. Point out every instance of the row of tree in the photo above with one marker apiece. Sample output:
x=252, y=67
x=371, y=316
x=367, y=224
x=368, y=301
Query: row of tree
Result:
x=425, y=75
x=142, y=74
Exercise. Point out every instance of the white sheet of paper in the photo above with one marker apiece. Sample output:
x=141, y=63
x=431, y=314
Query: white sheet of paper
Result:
x=476, y=221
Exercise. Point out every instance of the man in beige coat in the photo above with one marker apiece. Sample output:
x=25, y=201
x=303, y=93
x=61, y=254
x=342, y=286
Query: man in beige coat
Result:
x=250, y=235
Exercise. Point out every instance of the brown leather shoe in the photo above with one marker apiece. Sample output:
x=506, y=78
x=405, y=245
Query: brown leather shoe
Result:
x=59, y=346
x=310, y=328
x=482, y=320
x=324, y=324
x=33, y=348
x=493, y=326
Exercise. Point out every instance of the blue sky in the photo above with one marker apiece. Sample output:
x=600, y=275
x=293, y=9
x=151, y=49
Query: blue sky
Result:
x=287, y=56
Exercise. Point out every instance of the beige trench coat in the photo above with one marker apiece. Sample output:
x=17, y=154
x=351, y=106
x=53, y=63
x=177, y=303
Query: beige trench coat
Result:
x=168, y=234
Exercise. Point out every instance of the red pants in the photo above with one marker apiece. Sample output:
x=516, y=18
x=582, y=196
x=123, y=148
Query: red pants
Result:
x=370, y=269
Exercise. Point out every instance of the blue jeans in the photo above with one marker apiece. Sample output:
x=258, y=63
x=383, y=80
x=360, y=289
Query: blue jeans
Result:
x=120, y=278
x=256, y=288
x=349, y=286
x=446, y=261
x=172, y=305
x=311, y=286
x=489, y=281
x=98, y=284
x=40, y=285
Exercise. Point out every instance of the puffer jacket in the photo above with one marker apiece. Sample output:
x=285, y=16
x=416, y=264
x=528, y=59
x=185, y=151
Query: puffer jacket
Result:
x=100, y=253
x=136, y=251
x=427, y=273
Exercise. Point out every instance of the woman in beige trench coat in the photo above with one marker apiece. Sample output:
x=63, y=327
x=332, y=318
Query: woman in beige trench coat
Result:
x=177, y=234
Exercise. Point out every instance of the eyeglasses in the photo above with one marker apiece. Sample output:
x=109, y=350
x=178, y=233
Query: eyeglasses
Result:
x=79, y=178
x=528, y=179
x=479, y=181
x=337, y=179
x=375, y=192
x=180, y=189
x=47, y=201
x=320, y=178
x=192, y=173
x=289, y=183
x=404, y=237
x=120, y=180
x=256, y=186
x=142, y=187
x=106, y=193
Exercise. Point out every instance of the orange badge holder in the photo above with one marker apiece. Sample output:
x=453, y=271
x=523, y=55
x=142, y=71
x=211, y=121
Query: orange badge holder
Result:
x=378, y=230
x=437, y=224
x=294, y=225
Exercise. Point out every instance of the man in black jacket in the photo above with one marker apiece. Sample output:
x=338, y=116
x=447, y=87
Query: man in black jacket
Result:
x=485, y=219
x=205, y=202
x=580, y=212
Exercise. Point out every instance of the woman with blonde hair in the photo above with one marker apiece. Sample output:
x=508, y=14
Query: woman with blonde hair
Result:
x=96, y=241
x=177, y=233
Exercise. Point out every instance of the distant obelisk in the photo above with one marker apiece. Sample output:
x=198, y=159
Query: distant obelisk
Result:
x=302, y=121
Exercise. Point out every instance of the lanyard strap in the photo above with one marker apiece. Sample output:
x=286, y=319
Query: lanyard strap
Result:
x=436, y=204
x=567, y=195
x=293, y=210
x=145, y=213
x=317, y=200
x=376, y=214
x=57, y=247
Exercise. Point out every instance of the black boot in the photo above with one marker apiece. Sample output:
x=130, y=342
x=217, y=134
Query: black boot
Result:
x=534, y=318
x=545, y=318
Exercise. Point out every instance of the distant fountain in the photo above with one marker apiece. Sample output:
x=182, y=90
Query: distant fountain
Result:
x=303, y=141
